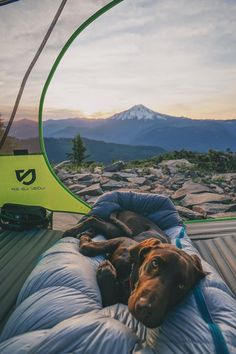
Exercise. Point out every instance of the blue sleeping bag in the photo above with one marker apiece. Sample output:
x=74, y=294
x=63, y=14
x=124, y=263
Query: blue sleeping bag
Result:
x=59, y=308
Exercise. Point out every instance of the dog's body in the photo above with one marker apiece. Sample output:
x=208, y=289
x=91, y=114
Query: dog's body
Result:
x=151, y=277
x=142, y=270
x=124, y=223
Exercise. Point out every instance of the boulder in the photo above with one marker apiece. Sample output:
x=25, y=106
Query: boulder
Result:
x=144, y=188
x=119, y=176
x=91, y=200
x=139, y=170
x=131, y=170
x=137, y=180
x=66, y=176
x=98, y=170
x=216, y=188
x=190, y=188
x=76, y=187
x=189, y=214
x=93, y=190
x=84, y=176
x=212, y=208
x=115, y=167
x=157, y=172
x=195, y=199
x=178, y=179
x=87, y=183
x=228, y=177
x=162, y=190
x=63, y=163
x=173, y=166
x=112, y=185
x=108, y=174
x=152, y=178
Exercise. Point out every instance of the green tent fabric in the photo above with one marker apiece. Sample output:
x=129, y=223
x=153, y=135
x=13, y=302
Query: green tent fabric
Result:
x=27, y=178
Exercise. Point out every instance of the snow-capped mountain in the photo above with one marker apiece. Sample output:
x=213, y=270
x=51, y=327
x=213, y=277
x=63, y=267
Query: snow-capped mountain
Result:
x=139, y=112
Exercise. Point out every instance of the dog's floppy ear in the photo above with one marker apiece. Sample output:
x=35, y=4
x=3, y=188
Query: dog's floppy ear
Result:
x=198, y=266
x=138, y=252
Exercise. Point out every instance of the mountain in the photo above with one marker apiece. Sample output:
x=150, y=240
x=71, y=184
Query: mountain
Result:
x=121, y=128
x=139, y=112
x=24, y=128
x=140, y=125
x=194, y=135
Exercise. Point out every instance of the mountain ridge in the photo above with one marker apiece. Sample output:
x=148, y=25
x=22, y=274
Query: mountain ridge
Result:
x=140, y=125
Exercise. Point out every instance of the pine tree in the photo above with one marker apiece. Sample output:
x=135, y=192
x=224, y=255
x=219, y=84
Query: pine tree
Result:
x=78, y=151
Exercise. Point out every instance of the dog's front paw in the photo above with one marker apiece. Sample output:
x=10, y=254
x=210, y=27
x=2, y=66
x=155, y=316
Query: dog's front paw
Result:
x=106, y=272
x=84, y=248
x=84, y=238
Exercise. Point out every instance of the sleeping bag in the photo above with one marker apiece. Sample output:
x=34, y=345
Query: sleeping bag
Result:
x=59, y=308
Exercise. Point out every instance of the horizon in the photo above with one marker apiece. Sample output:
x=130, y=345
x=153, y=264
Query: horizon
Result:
x=128, y=109
x=121, y=112
x=178, y=59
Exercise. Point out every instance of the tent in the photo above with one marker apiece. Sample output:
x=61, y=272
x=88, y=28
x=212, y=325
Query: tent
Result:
x=26, y=175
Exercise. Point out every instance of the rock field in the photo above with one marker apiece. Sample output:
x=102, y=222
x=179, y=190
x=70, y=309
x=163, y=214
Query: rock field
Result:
x=197, y=195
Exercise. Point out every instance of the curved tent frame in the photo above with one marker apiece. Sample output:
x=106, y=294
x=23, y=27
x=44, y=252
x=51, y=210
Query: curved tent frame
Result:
x=30, y=179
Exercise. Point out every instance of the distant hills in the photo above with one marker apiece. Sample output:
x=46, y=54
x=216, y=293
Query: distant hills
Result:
x=140, y=125
x=99, y=151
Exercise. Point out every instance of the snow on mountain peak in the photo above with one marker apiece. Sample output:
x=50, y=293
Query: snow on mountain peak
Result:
x=139, y=112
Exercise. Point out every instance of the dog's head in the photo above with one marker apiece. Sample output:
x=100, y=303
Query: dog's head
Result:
x=162, y=275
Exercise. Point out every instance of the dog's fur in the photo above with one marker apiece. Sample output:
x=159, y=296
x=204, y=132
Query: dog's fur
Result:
x=122, y=223
x=151, y=277
x=142, y=270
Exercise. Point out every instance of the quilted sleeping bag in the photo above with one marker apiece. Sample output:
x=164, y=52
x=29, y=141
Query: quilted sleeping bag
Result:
x=59, y=308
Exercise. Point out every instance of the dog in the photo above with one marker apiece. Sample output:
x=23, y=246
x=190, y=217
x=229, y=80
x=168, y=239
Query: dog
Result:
x=121, y=223
x=151, y=277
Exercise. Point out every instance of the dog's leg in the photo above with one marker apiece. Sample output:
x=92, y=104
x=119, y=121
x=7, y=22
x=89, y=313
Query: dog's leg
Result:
x=127, y=231
x=81, y=227
x=91, y=248
x=110, y=229
x=106, y=278
x=151, y=234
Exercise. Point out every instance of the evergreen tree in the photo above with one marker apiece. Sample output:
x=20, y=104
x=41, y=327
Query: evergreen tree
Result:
x=78, y=151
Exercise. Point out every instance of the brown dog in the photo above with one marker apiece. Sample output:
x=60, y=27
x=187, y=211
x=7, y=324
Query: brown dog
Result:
x=122, y=223
x=151, y=277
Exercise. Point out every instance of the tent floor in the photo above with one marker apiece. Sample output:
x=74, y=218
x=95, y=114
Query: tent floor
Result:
x=19, y=253
x=216, y=242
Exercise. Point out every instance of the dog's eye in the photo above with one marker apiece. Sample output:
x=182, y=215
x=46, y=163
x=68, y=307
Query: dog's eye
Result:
x=155, y=263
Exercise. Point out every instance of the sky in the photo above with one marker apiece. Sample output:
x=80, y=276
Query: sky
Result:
x=175, y=57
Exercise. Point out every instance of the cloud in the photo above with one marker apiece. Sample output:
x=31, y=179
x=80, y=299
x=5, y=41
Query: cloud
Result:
x=174, y=56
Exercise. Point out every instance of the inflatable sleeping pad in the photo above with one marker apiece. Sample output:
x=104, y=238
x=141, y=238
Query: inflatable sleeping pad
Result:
x=59, y=308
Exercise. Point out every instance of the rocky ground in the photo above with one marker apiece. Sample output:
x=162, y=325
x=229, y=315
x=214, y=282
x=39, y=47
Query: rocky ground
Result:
x=197, y=195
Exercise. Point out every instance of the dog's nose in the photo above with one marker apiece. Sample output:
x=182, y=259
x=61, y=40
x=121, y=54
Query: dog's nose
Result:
x=143, y=305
